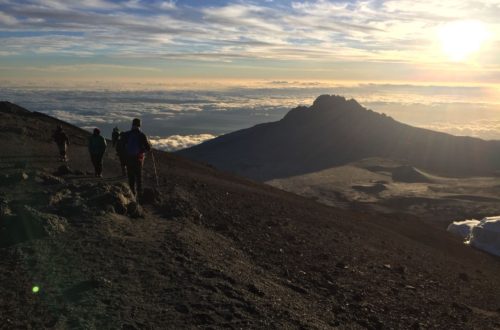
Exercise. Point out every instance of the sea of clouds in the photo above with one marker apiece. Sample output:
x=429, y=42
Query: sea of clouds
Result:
x=177, y=118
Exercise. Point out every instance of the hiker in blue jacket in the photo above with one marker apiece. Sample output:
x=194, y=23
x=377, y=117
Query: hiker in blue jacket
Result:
x=97, y=147
x=136, y=145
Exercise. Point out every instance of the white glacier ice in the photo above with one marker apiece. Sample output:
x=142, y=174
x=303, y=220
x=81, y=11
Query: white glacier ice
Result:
x=482, y=234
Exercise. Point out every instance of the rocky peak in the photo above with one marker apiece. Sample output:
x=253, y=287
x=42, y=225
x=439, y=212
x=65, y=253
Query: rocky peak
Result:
x=335, y=103
x=327, y=105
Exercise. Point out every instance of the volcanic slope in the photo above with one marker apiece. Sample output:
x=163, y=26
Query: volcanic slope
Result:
x=334, y=132
x=210, y=250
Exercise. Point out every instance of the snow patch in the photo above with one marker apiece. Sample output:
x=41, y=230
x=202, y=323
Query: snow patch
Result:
x=463, y=228
x=482, y=234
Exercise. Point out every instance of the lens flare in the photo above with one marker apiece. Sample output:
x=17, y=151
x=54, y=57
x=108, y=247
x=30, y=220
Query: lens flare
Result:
x=35, y=289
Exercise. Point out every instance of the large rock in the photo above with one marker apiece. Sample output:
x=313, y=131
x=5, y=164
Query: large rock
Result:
x=118, y=196
x=96, y=198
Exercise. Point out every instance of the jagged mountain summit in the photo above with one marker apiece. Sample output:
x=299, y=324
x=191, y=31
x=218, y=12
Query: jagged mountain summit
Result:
x=335, y=131
x=211, y=250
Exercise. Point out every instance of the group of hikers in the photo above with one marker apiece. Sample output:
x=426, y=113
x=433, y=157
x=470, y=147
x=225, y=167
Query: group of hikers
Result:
x=130, y=147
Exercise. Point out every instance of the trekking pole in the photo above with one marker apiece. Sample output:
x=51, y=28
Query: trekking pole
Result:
x=154, y=167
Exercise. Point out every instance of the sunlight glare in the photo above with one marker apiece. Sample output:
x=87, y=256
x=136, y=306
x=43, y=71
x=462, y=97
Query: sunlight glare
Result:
x=461, y=39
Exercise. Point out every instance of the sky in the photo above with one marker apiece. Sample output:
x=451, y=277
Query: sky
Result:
x=433, y=64
x=369, y=40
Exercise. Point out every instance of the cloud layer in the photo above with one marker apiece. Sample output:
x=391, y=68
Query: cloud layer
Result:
x=311, y=35
x=194, y=111
x=177, y=142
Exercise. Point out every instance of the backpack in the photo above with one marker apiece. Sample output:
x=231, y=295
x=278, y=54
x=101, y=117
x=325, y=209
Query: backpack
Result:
x=134, y=144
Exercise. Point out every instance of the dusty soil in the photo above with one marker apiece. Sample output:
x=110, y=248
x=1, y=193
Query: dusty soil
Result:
x=210, y=250
x=392, y=187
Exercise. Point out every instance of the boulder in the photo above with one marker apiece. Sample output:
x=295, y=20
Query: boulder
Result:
x=118, y=196
x=97, y=198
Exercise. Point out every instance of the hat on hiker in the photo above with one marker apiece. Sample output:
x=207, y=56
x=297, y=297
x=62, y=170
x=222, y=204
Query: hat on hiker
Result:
x=136, y=122
x=97, y=131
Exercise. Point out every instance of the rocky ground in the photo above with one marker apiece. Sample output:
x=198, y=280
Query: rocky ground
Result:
x=209, y=250
x=380, y=185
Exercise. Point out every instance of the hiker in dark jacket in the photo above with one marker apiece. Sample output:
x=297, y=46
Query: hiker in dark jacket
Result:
x=136, y=145
x=115, y=136
x=121, y=152
x=97, y=147
x=62, y=141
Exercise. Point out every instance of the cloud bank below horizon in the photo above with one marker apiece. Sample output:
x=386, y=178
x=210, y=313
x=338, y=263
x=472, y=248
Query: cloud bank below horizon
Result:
x=177, y=142
x=193, y=111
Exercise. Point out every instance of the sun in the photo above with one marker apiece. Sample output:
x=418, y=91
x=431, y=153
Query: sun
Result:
x=461, y=39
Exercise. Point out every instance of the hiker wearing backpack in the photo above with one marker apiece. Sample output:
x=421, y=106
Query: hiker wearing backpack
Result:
x=97, y=147
x=115, y=136
x=136, y=145
x=121, y=152
x=62, y=141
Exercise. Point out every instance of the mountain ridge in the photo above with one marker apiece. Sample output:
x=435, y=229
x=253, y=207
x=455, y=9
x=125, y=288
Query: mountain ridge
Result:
x=335, y=131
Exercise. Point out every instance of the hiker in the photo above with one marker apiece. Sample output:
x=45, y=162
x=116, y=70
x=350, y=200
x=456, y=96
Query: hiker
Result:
x=97, y=147
x=136, y=144
x=121, y=152
x=62, y=141
x=115, y=135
